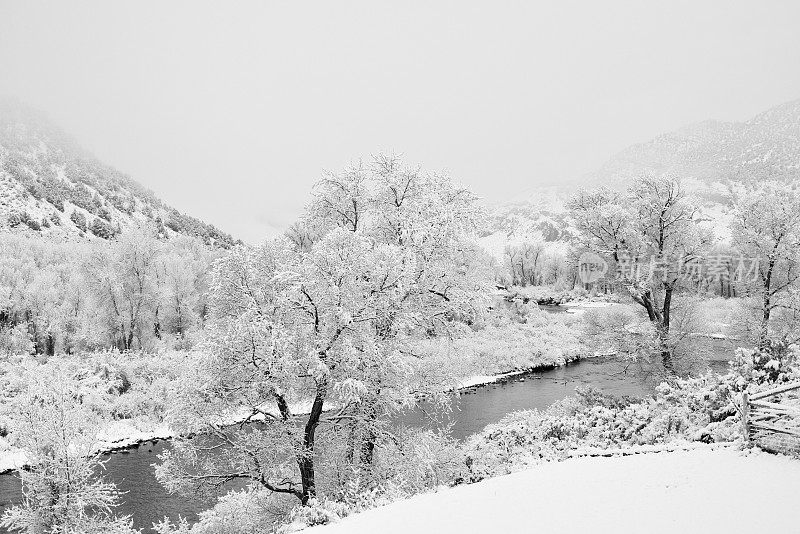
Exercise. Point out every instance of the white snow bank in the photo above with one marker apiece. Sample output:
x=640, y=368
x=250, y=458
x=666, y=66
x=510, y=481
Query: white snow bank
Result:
x=704, y=491
x=11, y=459
x=589, y=304
x=581, y=307
x=124, y=434
x=482, y=380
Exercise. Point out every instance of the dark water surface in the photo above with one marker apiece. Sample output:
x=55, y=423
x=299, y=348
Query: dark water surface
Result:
x=147, y=501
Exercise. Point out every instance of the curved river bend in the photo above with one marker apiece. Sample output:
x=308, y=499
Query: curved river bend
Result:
x=147, y=501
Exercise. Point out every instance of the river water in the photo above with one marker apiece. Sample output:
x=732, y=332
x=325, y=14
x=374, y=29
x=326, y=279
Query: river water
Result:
x=146, y=501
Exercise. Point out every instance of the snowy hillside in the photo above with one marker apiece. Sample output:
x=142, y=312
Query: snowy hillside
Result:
x=766, y=146
x=51, y=186
x=542, y=220
x=710, y=158
x=706, y=491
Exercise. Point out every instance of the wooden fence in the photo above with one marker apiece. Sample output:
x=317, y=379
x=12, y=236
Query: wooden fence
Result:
x=770, y=418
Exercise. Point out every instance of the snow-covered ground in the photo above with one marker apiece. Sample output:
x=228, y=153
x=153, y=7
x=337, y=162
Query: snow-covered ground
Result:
x=705, y=491
x=579, y=307
x=10, y=457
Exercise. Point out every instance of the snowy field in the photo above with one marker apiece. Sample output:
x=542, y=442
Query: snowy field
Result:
x=704, y=491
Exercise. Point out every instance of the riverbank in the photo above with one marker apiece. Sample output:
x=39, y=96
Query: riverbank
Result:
x=579, y=307
x=484, y=380
x=700, y=490
x=146, y=500
x=123, y=435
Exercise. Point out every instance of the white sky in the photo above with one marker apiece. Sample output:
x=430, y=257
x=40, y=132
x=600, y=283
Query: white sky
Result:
x=230, y=111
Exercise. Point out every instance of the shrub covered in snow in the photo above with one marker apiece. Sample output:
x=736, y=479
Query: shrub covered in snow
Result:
x=79, y=219
x=698, y=408
x=250, y=510
x=133, y=392
x=543, y=340
x=101, y=228
x=15, y=340
x=686, y=410
x=417, y=461
x=755, y=369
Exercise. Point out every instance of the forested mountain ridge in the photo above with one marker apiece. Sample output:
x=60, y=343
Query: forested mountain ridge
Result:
x=764, y=147
x=51, y=186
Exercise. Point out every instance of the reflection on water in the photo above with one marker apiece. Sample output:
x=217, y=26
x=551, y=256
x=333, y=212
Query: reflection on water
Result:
x=147, y=501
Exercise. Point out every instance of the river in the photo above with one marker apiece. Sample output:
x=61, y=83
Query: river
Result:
x=146, y=501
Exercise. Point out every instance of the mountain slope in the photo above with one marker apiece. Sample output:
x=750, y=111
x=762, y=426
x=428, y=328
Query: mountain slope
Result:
x=710, y=157
x=50, y=185
x=766, y=146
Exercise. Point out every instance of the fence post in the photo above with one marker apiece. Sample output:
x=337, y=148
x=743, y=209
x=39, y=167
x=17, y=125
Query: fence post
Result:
x=745, y=416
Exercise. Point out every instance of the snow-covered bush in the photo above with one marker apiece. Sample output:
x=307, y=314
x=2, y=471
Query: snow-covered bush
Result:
x=55, y=419
x=620, y=330
x=548, y=295
x=754, y=369
x=544, y=340
x=317, y=512
x=150, y=382
x=355, y=499
x=695, y=409
x=413, y=461
x=15, y=340
x=133, y=391
x=79, y=219
x=418, y=461
x=249, y=511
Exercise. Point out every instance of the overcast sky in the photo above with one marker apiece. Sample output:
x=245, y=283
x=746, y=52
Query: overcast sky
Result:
x=230, y=111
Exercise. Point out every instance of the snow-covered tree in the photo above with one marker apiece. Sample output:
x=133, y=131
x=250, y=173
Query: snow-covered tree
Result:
x=55, y=423
x=341, y=199
x=651, y=232
x=766, y=228
x=525, y=260
x=182, y=276
x=122, y=280
x=318, y=342
x=601, y=217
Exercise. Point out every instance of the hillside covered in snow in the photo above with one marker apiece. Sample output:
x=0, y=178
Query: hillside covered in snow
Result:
x=707, y=491
x=51, y=186
x=712, y=158
x=764, y=147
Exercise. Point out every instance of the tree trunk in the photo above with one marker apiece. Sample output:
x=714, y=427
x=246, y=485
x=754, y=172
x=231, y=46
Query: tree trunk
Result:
x=368, y=443
x=305, y=460
x=666, y=353
x=351, y=443
x=646, y=300
x=661, y=321
x=157, y=325
x=763, y=336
